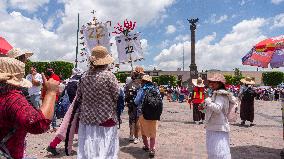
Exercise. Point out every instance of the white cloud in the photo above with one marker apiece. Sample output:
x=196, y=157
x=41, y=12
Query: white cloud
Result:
x=30, y=34
x=60, y=44
x=216, y=20
x=225, y=54
x=3, y=5
x=276, y=1
x=278, y=21
x=144, y=45
x=170, y=29
x=28, y=5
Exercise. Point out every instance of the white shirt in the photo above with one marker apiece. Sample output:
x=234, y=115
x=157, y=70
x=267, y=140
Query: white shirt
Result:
x=35, y=90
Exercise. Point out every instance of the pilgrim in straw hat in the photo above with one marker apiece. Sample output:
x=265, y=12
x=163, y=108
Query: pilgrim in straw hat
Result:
x=147, y=78
x=198, y=82
x=248, y=80
x=100, y=56
x=12, y=72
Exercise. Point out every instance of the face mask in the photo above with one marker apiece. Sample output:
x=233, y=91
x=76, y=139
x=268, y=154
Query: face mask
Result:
x=48, y=73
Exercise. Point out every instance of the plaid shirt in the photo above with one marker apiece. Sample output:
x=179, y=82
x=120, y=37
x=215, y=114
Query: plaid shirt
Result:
x=16, y=112
x=97, y=94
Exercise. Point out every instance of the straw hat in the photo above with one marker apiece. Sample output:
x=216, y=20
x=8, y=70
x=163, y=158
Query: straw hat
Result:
x=16, y=52
x=12, y=72
x=247, y=80
x=139, y=69
x=217, y=77
x=100, y=56
x=198, y=82
x=147, y=78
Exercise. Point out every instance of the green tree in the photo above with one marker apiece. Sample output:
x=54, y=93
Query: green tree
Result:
x=167, y=79
x=272, y=78
x=61, y=68
x=121, y=76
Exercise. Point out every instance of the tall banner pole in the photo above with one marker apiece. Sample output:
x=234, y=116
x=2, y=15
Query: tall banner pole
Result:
x=76, y=61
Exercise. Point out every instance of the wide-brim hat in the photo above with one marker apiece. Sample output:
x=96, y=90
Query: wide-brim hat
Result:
x=247, y=80
x=217, y=77
x=16, y=52
x=100, y=56
x=12, y=72
x=139, y=69
x=198, y=82
x=147, y=78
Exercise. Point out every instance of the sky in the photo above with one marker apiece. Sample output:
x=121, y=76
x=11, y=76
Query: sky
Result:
x=226, y=31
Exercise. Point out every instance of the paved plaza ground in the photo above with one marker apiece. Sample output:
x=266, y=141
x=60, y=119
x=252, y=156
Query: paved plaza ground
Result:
x=179, y=138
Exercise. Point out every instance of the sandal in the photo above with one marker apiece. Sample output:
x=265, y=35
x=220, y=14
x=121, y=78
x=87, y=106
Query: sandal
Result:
x=146, y=148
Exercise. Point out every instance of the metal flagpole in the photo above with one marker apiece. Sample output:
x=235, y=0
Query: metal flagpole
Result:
x=76, y=60
x=182, y=56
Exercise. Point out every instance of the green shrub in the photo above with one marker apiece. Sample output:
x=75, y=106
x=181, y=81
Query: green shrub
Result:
x=61, y=68
x=272, y=78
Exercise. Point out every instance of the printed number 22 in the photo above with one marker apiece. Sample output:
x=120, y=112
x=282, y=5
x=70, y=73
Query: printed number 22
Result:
x=129, y=49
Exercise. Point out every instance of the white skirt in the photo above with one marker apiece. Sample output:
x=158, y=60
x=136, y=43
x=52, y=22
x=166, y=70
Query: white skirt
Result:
x=218, y=144
x=97, y=142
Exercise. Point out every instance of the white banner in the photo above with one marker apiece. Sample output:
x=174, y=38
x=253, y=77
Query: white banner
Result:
x=96, y=35
x=129, y=48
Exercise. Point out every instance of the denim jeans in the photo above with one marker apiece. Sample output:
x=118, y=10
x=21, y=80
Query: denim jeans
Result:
x=35, y=99
x=53, y=122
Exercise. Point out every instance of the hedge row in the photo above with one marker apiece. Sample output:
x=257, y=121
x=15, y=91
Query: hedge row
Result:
x=61, y=68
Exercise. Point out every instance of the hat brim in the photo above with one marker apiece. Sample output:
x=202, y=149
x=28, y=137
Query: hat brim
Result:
x=29, y=54
x=147, y=79
x=247, y=82
x=103, y=61
x=22, y=83
x=194, y=82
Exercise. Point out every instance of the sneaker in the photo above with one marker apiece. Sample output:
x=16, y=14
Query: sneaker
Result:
x=243, y=123
x=152, y=154
x=131, y=138
x=145, y=148
x=136, y=140
x=52, y=150
x=197, y=122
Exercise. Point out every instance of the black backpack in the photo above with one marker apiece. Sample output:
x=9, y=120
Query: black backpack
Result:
x=131, y=92
x=152, y=105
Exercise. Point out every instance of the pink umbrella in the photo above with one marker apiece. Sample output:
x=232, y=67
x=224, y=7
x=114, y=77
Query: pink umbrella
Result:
x=4, y=46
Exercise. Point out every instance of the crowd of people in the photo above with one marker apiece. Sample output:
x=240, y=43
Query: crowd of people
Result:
x=94, y=101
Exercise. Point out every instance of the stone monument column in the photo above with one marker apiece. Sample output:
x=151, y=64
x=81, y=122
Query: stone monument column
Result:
x=193, y=67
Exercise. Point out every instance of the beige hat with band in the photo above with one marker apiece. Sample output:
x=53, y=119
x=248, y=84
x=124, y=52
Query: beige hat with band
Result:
x=16, y=52
x=198, y=82
x=247, y=80
x=12, y=72
x=100, y=56
x=217, y=77
x=147, y=78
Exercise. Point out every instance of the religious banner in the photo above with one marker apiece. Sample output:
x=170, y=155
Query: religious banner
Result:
x=129, y=48
x=96, y=35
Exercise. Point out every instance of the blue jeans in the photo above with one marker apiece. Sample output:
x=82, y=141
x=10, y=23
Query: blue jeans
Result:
x=35, y=99
x=53, y=122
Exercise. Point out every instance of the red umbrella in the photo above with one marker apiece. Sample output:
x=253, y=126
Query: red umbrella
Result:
x=270, y=44
x=4, y=46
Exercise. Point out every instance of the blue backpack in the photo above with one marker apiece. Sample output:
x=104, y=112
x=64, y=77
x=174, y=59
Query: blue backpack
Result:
x=62, y=105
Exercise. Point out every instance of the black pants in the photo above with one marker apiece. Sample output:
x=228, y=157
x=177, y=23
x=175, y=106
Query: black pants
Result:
x=197, y=115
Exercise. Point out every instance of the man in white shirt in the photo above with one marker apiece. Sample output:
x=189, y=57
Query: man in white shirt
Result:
x=35, y=90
